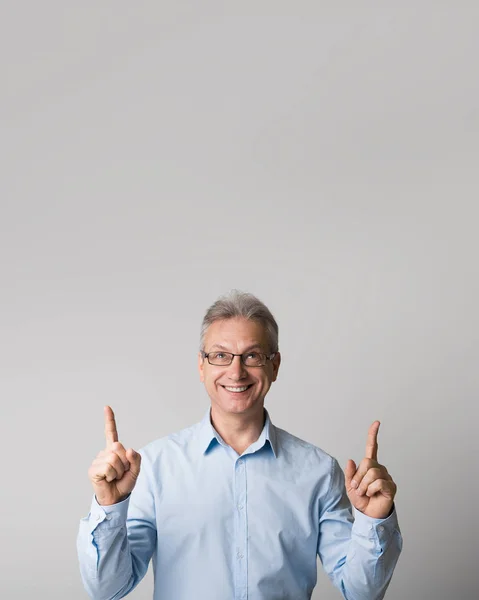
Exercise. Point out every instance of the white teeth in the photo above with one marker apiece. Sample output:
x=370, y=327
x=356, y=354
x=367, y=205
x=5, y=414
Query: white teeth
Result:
x=236, y=389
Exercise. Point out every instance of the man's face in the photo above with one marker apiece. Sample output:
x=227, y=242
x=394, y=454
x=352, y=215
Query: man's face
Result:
x=237, y=336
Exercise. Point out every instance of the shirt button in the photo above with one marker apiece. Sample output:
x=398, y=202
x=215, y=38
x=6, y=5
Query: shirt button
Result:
x=381, y=528
x=240, y=462
x=239, y=555
x=98, y=517
x=240, y=507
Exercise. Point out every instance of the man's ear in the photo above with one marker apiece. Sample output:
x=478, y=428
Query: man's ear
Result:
x=276, y=362
x=201, y=362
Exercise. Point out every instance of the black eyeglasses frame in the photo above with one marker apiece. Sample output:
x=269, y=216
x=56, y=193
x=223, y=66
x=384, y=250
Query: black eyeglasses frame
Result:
x=266, y=357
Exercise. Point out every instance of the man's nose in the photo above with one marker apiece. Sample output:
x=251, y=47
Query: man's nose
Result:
x=236, y=370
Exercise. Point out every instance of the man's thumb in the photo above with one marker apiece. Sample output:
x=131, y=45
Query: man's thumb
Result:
x=134, y=458
x=349, y=472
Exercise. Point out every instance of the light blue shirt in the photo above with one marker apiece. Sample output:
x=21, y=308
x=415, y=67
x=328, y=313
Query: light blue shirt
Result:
x=219, y=526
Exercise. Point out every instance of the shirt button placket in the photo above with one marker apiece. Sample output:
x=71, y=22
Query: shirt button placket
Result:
x=241, y=531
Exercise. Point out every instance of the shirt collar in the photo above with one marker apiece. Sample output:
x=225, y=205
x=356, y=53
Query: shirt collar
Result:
x=207, y=435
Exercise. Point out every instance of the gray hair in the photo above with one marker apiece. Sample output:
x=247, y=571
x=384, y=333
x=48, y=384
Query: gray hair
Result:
x=241, y=304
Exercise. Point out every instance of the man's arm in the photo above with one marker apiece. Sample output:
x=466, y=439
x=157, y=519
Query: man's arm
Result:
x=359, y=555
x=117, y=539
x=115, y=543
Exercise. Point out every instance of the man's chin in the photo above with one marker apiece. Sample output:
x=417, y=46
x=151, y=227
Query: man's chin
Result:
x=234, y=405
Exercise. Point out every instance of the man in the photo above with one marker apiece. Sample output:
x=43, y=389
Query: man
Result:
x=234, y=508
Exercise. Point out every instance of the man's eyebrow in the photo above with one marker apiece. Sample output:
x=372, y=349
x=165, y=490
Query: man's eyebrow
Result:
x=252, y=347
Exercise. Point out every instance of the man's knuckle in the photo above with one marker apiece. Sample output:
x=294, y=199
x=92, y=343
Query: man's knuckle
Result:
x=112, y=457
x=110, y=472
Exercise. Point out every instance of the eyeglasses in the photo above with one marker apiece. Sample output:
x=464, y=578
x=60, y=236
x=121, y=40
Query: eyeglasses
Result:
x=249, y=359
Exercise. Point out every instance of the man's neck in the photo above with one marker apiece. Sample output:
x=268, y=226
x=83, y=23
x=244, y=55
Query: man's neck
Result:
x=238, y=431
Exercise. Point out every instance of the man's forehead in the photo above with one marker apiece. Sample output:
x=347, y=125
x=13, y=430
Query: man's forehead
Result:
x=221, y=334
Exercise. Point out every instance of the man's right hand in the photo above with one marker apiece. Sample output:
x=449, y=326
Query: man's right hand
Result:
x=115, y=470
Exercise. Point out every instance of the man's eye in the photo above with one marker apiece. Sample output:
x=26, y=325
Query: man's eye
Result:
x=252, y=355
x=218, y=355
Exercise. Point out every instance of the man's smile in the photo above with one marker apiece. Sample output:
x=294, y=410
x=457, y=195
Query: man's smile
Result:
x=236, y=389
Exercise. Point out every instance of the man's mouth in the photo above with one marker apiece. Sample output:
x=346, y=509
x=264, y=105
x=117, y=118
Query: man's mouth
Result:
x=237, y=389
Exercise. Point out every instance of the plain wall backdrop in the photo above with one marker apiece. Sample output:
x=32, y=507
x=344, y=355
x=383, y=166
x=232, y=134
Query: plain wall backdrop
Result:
x=321, y=155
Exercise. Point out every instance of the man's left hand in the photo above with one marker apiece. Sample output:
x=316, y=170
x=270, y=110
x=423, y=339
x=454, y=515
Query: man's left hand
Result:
x=369, y=486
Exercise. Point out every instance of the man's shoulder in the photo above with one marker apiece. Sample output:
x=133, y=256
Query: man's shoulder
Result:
x=291, y=443
x=172, y=441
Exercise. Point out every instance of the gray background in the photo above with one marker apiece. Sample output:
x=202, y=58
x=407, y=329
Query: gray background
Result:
x=322, y=155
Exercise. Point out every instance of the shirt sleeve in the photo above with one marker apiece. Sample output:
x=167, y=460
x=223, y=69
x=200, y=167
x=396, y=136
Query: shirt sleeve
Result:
x=115, y=543
x=358, y=553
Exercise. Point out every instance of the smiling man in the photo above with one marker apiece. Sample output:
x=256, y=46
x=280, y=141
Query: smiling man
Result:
x=237, y=371
x=234, y=507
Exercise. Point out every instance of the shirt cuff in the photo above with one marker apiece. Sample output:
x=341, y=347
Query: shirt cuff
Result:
x=381, y=529
x=112, y=516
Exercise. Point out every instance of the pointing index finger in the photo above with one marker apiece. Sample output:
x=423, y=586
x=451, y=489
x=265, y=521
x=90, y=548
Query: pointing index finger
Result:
x=372, y=443
x=111, y=434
